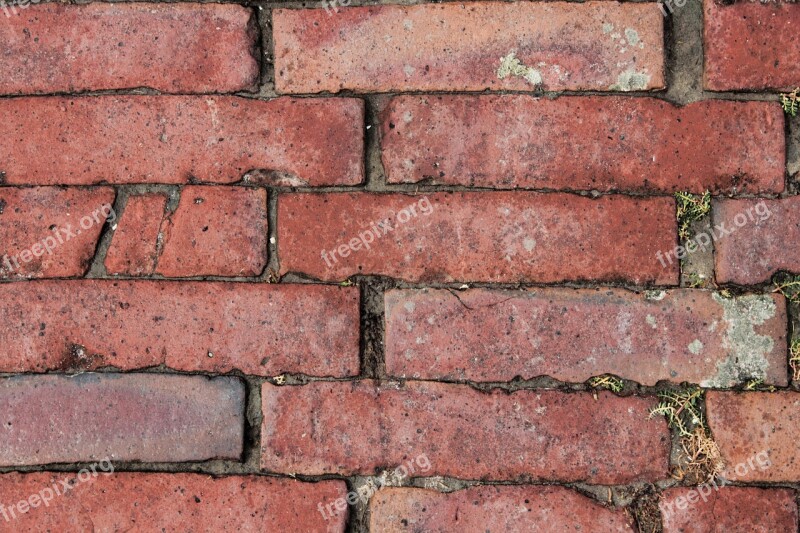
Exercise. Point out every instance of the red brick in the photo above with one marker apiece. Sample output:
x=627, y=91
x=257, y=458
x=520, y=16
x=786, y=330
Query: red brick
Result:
x=601, y=143
x=174, y=48
x=493, y=508
x=67, y=222
x=751, y=45
x=728, y=510
x=189, y=326
x=460, y=47
x=753, y=429
x=175, y=139
x=219, y=231
x=756, y=239
x=572, y=334
x=362, y=427
x=123, y=417
x=500, y=236
x=134, y=249
x=170, y=502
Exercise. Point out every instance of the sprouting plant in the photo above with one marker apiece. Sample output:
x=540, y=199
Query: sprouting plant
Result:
x=791, y=102
x=794, y=359
x=608, y=382
x=758, y=385
x=691, y=207
x=682, y=410
x=788, y=285
x=694, y=280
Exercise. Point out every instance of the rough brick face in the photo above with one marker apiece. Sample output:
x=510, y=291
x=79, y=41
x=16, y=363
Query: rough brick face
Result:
x=709, y=508
x=51, y=232
x=524, y=435
x=174, y=48
x=175, y=139
x=134, y=248
x=497, y=236
x=749, y=424
x=463, y=47
x=572, y=335
x=218, y=231
x=755, y=240
x=633, y=144
x=751, y=45
x=189, y=326
x=493, y=508
x=133, y=417
x=171, y=502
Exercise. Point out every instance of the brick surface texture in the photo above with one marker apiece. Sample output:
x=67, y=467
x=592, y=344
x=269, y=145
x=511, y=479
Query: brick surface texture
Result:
x=376, y=266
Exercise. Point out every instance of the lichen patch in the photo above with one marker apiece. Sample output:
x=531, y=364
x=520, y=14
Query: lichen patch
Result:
x=511, y=66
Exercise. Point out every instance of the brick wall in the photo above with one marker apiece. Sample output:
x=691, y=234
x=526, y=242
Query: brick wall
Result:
x=363, y=266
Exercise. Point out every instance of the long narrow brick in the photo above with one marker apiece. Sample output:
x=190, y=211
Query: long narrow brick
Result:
x=470, y=47
x=361, y=427
x=584, y=143
x=571, y=335
x=189, y=326
x=218, y=231
x=48, y=232
x=178, y=139
x=751, y=45
x=499, y=236
x=122, y=501
x=134, y=247
x=751, y=239
x=714, y=508
x=174, y=48
x=122, y=417
x=757, y=434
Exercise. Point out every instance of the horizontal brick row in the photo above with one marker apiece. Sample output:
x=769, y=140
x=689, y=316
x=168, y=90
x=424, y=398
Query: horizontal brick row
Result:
x=584, y=143
x=166, y=502
x=712, y=507
x=258, y=329
x=493, y=508
x=681, y=335
x=470, y=47
x=752, y=238
x=131, y=417
x=751, y=45
x=177, y=139
x=175, y=48
x=361, y=427
x=757, y=434
x=497, y=237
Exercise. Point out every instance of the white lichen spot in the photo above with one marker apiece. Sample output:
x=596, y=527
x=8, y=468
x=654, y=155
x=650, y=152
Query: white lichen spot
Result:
x=529, y=244
x=695, y=346
x=410, y=306
x=407, y=117
x=651, y=320
x=748, y=351
x=511, y=66
x=408, y=70
x=408, y=25
x=632, y=36
x=656, y=296
x=631, y=81
x=608, y=27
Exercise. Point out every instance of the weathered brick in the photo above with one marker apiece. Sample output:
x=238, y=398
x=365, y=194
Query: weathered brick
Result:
x=634, y=144
x=496, y=236
x=461, y=47
x=174, y=48
x=361, y=427
x=218, y=231
x=134, y=249
x=574, y=334
x=177, y=139
x=728, y=509
x=51, y=232
x=189, y=326
x=492, y=508
x=755, y=238
x=123, y=417
x=167, y=502
x=751, y=45
x=753, y=428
